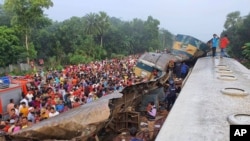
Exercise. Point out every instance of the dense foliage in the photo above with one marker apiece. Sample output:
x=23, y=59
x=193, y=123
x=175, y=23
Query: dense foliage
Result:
x=246, y=53
x=238, y=30
x=26, y=16
x=10, y=47
x=94, y=36
x=26, y=33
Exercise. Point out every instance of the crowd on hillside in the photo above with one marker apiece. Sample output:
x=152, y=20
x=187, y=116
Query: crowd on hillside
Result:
x=56, y=91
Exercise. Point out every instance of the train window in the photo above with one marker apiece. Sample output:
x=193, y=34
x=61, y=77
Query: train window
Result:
x=144, y=67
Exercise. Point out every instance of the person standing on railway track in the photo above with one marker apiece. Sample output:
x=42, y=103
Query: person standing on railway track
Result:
x=223, y=44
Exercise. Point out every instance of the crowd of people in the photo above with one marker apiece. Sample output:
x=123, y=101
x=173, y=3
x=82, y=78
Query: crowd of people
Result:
x=57, y=91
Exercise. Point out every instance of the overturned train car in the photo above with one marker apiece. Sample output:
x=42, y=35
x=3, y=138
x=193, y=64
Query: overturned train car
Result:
x=185, y=48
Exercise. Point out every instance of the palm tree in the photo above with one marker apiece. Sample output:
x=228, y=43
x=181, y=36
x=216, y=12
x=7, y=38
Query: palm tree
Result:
x=97, y=24
x=233, y=20
x=104, y=24
x=91, y=24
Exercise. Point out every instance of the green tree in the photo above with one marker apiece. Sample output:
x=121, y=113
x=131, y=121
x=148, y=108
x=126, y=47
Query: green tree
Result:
x=246, y=53
x=132, y=37
x=166, y=39
x=152, y=32
x=91, y=24
x=104, y=24
x=97, y=36
x=26, y=15
x=233, y=20
x=10, y=49
x=116, y=41
x=97, y=25
x=232, y=25
x=244, y=30
x=246, y=50
x=5, y=18
x=136, y=33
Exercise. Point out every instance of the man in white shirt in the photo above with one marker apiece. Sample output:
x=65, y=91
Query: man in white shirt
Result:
x=53, y=112
x=31, y=115
x=29, y=96
x=25, y=99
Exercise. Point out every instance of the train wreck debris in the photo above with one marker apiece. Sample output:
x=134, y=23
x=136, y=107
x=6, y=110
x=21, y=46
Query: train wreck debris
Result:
x=81, y=122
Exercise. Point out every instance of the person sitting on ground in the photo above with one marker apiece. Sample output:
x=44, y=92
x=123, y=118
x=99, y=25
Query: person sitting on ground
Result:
x=151, y=111
x=53, y=112
x=60, y=106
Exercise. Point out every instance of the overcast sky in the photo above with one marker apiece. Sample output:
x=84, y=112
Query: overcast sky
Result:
x=198, y=18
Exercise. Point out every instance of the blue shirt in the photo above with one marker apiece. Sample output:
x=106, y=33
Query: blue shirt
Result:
x=184, y=68
x=59, y=107
x=215, y=42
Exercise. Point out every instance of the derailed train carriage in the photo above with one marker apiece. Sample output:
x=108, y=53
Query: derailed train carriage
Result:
x=185, y=49
x=189, y=48
x=117, y=111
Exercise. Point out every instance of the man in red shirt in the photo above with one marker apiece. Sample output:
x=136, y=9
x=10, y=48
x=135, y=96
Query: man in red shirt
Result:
x=223, y=44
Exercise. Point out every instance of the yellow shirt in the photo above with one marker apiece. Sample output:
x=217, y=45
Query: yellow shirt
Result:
x=24, y=111
x=44, y=113
x=61, y=80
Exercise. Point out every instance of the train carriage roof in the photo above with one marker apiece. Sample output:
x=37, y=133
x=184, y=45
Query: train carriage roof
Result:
x=215, y=95
x=157, y=60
